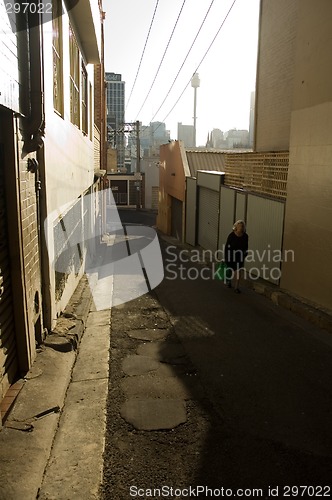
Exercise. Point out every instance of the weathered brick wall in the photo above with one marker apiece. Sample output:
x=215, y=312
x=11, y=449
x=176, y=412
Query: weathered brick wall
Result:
x=275, y=74
x=30, y=244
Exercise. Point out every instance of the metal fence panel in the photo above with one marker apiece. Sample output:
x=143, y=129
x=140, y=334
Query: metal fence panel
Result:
x=265, y=221
x=208, y=218
x=240, y=210
x=226, y=215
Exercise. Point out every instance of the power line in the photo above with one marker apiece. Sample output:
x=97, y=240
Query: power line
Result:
x=198, y=32
x=146, y=41
x=207, y=51
x=162, y=59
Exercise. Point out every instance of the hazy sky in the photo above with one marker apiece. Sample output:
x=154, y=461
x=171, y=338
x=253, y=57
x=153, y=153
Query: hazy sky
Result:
x=227, y=73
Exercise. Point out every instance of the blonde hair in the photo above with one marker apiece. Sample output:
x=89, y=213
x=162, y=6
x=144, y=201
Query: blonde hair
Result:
x=237, y=223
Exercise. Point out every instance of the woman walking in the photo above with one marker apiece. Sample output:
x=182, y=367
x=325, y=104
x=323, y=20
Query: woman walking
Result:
x=235, y=252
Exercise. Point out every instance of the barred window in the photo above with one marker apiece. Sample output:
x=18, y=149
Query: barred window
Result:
x=74, y=57
x=57, y=56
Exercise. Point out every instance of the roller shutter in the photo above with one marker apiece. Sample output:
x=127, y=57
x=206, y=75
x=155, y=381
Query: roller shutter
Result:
x=208, y=218
x=8, y=355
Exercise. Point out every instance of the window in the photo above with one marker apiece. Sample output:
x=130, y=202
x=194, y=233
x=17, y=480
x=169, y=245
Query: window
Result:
x=57, y=56
x=84, y=99
x=74, y=56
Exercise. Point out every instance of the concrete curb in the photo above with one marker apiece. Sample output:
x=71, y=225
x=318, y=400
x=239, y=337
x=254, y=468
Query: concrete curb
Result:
x=37, y=409
x=298, y=306
x=313, y=313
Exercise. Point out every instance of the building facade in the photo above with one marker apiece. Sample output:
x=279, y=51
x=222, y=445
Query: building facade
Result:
x=47, y=149
x=293, y=112
x=115, y=103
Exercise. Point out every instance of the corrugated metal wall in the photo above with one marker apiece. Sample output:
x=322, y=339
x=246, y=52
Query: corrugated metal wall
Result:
x=217, y=213
x=240, y=208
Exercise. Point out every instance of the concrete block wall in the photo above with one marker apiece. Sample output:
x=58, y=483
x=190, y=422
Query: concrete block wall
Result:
x=275, y=74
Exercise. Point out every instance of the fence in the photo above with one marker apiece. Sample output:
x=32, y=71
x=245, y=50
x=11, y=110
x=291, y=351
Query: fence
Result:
x=264, y=217
x=261, y=173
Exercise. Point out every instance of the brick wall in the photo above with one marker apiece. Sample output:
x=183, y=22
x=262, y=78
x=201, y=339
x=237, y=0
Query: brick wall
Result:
x=30, y=246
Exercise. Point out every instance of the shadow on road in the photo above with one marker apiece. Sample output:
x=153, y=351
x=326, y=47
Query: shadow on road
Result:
x=256, y=382
x=265, y=377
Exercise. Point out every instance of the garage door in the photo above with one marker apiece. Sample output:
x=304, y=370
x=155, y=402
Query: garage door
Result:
x=8, y=358
x=176, y=222
x=208, y=218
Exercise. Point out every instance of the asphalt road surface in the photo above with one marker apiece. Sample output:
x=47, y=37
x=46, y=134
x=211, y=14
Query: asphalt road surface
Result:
x=259, y=399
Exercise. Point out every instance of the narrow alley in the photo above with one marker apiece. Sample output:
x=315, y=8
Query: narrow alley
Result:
x=243, y=384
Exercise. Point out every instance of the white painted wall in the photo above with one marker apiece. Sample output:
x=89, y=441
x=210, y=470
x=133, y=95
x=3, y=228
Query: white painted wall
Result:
x=68, y=153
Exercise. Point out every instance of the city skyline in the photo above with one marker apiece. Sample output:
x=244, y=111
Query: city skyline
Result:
x=227, y=72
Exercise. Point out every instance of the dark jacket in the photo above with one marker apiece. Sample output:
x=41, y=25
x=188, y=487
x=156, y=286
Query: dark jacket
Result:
x=236, y=248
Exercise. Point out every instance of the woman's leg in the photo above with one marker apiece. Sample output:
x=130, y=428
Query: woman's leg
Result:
x=237, y=278
x=229, y=276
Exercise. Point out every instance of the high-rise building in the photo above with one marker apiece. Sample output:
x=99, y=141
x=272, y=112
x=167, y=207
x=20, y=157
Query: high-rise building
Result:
x=115, y=103
x=217, y=139
x=151, y=137
x=186, y=134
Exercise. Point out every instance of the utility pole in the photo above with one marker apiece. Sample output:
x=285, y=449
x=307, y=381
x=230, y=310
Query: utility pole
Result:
x=138, y=149
x=138, y=166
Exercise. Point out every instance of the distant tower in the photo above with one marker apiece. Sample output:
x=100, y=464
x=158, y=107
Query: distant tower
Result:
x=115, y=97
x=195, y=82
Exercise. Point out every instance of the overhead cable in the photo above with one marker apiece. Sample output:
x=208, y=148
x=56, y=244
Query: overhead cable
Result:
x=140, y=63
x=198, y=32
x=162, y=59
x=207, y=51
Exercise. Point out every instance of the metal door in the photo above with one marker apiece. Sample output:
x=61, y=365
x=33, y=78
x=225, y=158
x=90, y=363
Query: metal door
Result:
x=176, y=221
x=208, y=218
